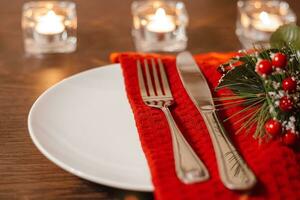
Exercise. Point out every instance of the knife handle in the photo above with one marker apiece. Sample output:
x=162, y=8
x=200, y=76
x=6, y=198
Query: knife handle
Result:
x=234, y=172
x=189, y=168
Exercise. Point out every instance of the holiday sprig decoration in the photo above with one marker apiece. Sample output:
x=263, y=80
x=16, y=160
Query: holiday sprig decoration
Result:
x=267, y=83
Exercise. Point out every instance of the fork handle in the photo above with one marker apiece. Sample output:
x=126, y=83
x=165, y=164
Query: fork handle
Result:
x=233, y=171
x=189, y=168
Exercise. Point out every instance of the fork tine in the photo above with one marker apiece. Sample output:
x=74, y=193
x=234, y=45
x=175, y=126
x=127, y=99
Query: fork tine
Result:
x=141, y=79
x=156, y=79
x=148, y=77
x=164, y=78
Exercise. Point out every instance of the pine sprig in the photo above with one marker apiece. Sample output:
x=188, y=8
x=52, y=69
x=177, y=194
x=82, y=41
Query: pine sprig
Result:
x=260, y=93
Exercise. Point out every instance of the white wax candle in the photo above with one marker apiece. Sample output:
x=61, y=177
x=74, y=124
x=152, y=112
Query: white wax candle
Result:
x=267, y=22
x=160, y=22
x=50, y=24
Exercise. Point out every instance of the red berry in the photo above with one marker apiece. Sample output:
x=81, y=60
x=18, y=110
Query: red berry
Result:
x=289, y=138
x=264, y=67
x=273, y=127
x=279, y=60
x=289, y=84
x=286, y=104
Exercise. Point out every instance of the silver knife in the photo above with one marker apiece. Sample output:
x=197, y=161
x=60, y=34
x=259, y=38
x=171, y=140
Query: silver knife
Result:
x=234, y=172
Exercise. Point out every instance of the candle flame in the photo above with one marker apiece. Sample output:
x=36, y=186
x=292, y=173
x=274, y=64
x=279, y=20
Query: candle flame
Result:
x=264, y=17
x=161, y=22
x=51, y=16
x=160, y=13
x=50, y=23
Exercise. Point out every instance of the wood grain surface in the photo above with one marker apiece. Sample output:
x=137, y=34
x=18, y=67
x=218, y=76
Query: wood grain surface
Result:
x=103, y=27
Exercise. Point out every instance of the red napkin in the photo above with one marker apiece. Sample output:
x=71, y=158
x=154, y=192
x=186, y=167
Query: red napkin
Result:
x=276, y=166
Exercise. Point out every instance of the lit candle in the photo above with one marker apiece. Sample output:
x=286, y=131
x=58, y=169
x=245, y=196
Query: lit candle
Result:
x=160, y=22
x=50, y=24
x=267, y=22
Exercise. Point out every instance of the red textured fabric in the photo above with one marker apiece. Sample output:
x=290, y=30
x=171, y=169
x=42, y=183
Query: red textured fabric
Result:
x=276, y=166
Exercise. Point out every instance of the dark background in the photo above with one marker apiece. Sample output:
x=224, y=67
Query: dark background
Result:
x=103, y=27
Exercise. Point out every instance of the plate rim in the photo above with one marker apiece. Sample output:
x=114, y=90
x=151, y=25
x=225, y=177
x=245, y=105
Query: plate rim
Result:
x=65, y=166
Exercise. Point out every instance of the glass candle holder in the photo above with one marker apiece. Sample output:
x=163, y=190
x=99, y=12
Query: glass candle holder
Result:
x=258, y=19
x=49, y=27
x=159, y=26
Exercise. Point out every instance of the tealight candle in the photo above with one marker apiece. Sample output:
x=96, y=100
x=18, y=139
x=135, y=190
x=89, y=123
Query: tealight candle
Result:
x=257, y=20
x=50, y=24
x=159, y=25
x=160, y=22
x=49, y=27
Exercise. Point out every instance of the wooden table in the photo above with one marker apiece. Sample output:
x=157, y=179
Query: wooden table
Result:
x=104, y=27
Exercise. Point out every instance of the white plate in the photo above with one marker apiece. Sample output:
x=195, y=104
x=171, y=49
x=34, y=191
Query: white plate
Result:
x=85, y=125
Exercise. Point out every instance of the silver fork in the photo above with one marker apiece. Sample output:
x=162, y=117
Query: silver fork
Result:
x=189, y=168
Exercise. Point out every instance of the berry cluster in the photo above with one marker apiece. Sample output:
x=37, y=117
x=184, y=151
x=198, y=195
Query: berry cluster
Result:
x=266, y=67
x=283, y=97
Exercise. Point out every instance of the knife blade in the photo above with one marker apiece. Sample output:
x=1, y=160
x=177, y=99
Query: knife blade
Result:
x=234, y=172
